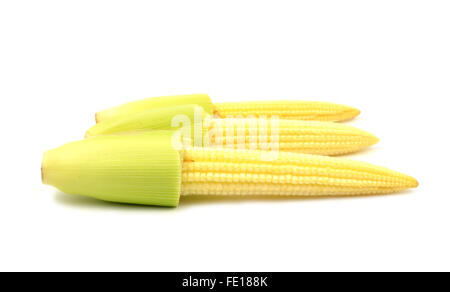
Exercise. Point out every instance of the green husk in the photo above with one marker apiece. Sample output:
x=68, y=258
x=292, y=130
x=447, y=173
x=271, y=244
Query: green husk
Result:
x=141, y=168
x=164, y=118
x=202, y=100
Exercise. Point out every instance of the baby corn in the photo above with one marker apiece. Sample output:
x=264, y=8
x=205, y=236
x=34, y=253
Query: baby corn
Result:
x=152, y=168
x=226, y=172
x=312, y=137
x=288, y=109
x=296, y=110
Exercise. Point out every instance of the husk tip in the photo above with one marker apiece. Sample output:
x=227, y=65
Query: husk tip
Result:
x=44, y=168
x=88, y=134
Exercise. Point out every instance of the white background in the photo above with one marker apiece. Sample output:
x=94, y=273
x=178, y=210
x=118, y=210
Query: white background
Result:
x=60, y=61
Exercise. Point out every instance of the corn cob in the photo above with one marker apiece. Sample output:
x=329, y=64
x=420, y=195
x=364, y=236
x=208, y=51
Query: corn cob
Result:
x=288, y=109
x=312, y=137
x=152, y=168
x=226, y=172
x=296, y=110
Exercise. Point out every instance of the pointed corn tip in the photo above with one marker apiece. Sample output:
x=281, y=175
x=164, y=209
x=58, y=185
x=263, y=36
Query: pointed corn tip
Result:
x=96, y=118
x=409, y=182
x=373, y=139
x=368, y=137
x=414, y=183
x=343, y=113
x=351, y=113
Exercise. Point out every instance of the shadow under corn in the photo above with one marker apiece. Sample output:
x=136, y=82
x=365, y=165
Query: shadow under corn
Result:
x=73, y=201
x=204, y=199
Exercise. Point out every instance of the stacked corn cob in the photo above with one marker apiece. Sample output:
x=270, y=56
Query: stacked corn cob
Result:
x=295, y=110
x=313, y=137
x=133, y=155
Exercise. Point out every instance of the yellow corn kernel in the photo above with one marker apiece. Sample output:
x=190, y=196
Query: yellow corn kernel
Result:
x=287, y=109
x=242, y=172
x=311, y=137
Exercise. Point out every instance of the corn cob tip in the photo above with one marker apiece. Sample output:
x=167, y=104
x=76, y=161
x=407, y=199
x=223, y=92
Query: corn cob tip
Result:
x=414, y=183
x=348, y=113
x=355, y=112
x=372, y=139
x=96, y=118
x=409, y=182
